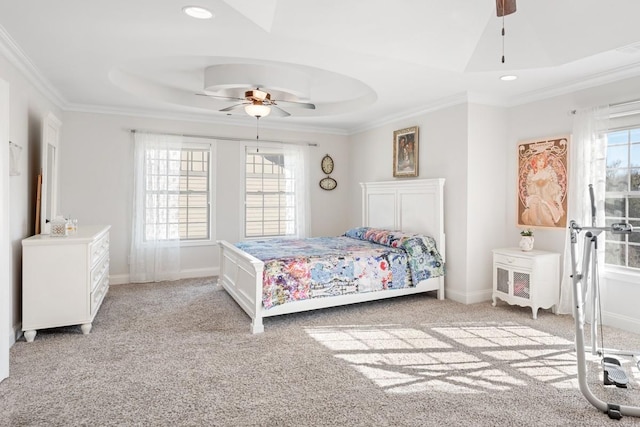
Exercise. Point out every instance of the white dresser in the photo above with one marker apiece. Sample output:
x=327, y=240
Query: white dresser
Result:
x=64, y=279
x=528, y=279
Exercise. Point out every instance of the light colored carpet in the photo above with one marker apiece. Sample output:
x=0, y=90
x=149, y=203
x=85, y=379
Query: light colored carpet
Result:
x=180, y=353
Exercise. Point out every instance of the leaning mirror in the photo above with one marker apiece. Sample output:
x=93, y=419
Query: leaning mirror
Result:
x=50, y=140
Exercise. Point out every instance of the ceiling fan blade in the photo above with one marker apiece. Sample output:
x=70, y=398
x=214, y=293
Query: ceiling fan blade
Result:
x=277, y=111
x=220, y=97
x=300, y=104
x=306, y=105
x=233, y=107
x=505, y=7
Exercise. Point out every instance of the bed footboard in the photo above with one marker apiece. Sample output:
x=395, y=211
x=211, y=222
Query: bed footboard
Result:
x=241, y=276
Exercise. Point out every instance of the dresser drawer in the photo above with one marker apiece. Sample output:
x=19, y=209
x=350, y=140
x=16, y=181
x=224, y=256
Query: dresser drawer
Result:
x=512, y=261
x=99, y=271
x=99, y=248
x=98, y=294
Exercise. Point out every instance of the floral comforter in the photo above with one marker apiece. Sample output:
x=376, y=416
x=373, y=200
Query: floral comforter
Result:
x=363, y=260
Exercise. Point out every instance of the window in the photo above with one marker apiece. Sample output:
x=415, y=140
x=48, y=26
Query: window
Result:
x=622, y=198
x=178, y=193
x=274, y=192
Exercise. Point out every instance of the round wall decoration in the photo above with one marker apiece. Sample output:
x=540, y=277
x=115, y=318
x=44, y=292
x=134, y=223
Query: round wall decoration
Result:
x=327, y=183
x=327, y=164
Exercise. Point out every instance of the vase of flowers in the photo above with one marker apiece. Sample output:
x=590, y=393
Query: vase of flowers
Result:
x=526, y=240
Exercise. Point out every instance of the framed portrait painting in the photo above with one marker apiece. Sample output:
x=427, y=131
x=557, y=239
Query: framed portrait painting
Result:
x=542, y=182
x=405, y=152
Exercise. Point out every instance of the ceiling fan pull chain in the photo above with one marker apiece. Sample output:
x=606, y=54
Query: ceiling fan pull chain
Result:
x=257, y=134
x=503, y=32
x=501, y=11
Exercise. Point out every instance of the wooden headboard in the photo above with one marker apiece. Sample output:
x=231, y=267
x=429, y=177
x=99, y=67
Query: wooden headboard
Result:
x=413, y=206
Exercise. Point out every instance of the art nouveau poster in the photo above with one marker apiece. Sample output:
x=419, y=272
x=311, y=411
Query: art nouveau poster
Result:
x=542, y=182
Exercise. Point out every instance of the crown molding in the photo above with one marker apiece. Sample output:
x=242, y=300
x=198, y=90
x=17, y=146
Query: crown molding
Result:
x=203, y=118
x=440, y=104
x=593, y=80
x=14, y=54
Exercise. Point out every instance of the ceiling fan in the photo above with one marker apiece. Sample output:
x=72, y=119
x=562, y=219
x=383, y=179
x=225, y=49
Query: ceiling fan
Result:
x=258, y=103
x=505, y=7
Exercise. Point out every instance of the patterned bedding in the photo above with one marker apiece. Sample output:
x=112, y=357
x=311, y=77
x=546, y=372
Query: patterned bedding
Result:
x=363, y=260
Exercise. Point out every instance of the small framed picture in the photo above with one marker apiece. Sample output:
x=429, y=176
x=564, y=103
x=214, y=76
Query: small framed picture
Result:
x=405, y=152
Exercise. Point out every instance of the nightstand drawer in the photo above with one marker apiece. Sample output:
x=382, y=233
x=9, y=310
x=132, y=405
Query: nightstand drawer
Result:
x=512, y=261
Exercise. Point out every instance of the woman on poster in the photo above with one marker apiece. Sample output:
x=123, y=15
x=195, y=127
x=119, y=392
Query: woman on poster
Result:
x=543, y=204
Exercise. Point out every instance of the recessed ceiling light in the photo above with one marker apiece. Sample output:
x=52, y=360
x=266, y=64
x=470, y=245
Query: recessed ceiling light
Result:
x=508, y=78
x=197, y=12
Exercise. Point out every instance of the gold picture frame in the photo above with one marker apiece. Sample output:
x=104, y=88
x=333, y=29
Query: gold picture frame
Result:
x=543, y=180
x=405, y=152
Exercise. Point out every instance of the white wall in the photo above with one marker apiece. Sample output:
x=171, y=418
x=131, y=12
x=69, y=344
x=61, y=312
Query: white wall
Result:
x=620, y=293
x=96, y=180
x=443, y=136
x=6, y=338
x=444, y=153
x=28, y=107
x=465, y=144
x=486, y=197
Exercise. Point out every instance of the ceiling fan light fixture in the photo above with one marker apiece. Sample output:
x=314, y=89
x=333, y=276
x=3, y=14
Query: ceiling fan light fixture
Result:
x=197, y=12
x=257, y=110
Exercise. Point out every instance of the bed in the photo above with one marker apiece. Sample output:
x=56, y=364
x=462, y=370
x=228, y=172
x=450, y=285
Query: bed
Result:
x=392, y=212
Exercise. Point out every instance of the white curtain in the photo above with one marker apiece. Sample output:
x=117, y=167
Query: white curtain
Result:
x=295, y=163
x=155, y=240
x=587, y=165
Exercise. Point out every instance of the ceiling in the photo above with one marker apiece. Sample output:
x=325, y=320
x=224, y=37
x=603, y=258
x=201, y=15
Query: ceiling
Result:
x=361, y=63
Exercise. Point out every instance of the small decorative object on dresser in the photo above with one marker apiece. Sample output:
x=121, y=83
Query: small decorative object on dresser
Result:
x=528, y=279
x=526, y=240
x=58, y=227
x=64, y=280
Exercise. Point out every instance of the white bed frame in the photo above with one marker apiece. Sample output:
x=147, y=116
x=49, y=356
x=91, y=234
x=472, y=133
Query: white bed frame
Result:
x=414, y=206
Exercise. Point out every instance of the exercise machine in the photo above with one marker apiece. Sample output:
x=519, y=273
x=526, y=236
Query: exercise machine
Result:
x=613, y=374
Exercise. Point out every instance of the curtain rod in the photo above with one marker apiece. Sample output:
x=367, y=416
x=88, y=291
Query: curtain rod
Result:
x=622, y=104
x=617, y=104
x=224, y=138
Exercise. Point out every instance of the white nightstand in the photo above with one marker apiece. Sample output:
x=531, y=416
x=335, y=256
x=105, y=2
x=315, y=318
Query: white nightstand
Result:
x=528, y=279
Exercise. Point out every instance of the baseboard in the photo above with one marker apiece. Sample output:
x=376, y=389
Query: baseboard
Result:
x=118, y=279
x=16, y=334
x=468, y=298
x=199, y=272
x=616, y=320
x=121, y=279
